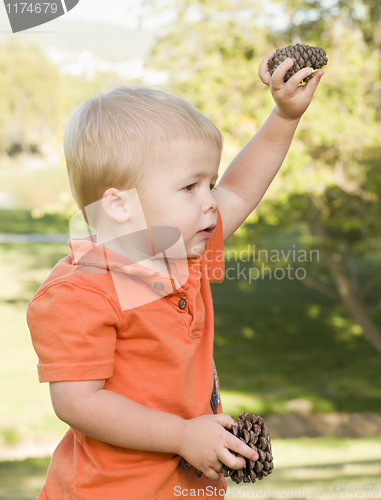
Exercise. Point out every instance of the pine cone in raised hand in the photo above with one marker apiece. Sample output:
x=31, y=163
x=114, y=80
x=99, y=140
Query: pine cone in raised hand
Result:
x=304, y=56
x=252, y=430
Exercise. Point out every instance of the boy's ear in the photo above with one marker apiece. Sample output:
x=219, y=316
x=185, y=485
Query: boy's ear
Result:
x=114, y=205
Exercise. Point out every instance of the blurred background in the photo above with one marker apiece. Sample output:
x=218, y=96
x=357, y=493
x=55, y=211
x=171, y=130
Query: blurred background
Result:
x=298, y=332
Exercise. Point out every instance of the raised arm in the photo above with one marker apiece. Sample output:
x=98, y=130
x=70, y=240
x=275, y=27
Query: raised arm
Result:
x=251, y=172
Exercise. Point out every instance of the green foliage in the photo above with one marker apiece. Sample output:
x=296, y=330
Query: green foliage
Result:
x=331, y=177
x=276, y=340
x=213, y=62
x=35, y=103
x=31, y=90
x=63, y=208
x=36, y=100
x=10, y=435
x=22, y=221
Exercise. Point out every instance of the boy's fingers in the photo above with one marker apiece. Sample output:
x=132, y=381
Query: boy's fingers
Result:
x=312, y=84
x=299, y=76
x=242, y=448
x=212, y=474
x=263, y=70
x=225, y=420
x=234, y=462
x=278, y=75
x=235, y=445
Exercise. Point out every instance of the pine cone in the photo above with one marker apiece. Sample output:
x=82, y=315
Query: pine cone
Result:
x=304, y=56
x=253, y=431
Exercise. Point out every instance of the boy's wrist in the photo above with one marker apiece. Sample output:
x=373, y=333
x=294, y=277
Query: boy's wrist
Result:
x=182, y=437
x=281, y=115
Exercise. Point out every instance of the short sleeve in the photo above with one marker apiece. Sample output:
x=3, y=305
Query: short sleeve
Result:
x=214, y=253
x=73, y=331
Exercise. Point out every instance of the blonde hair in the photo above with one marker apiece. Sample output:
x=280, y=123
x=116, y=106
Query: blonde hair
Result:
x=114, y=138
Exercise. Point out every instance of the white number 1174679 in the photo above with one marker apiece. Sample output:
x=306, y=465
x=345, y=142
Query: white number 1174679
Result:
x=23, y=7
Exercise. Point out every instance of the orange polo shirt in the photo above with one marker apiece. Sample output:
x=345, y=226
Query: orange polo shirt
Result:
x=159, y=354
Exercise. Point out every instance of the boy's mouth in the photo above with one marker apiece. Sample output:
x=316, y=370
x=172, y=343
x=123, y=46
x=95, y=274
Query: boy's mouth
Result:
x=208, y=229
x=207, y=232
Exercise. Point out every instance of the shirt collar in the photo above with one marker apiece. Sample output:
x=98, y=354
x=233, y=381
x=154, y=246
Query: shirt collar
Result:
x=85, y=251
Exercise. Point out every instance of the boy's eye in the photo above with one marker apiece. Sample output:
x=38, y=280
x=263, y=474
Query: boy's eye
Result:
x=212, y=186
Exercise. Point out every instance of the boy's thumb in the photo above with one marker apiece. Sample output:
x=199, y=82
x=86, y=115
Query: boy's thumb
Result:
x=225, y=420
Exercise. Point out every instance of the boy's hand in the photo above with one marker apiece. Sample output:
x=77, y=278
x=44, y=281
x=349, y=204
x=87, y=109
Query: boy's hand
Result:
x=291, y=99
x=206, y=444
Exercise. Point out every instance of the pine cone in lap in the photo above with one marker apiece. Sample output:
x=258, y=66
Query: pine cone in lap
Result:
x=304, y=56
x=253, y=431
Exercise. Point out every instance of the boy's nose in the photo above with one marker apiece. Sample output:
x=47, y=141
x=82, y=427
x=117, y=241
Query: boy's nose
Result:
x=211, y=202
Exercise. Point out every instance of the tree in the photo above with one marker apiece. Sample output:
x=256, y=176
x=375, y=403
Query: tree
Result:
x=36, y=100
x=30, y=96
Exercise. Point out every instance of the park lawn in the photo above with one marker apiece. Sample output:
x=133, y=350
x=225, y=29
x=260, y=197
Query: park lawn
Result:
x=303, y=467
x=28, y=409
x=311, y=468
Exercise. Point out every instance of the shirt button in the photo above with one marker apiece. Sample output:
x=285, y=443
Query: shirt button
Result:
x=158, y=286
x=182, y=303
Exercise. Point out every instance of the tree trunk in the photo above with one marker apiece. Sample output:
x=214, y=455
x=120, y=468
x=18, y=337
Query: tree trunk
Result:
x=351, y=300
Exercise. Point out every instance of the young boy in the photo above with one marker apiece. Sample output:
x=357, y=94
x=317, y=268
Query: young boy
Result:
x=123, y=331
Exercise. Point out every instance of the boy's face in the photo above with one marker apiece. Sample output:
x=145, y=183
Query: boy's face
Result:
x=178, y=192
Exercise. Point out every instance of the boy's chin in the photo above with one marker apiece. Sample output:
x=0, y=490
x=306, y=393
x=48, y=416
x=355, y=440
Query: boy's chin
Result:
x=195, y=251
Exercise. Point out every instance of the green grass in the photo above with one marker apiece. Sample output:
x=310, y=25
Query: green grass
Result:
x=22, y=480
x=308, y=464
x=314, y=465
x=28, y=410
